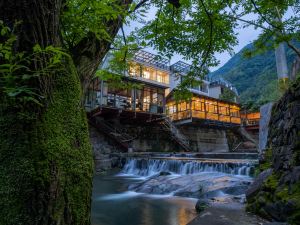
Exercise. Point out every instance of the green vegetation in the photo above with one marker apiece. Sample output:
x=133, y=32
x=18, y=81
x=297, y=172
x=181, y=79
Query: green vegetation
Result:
x=228, y=95
x=255, y=77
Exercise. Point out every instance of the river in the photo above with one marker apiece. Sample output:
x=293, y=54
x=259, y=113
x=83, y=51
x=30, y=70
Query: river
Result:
x=114, y=205
x=140, y=195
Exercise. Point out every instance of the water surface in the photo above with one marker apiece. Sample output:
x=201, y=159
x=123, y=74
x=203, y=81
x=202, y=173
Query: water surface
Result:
x=113, y=204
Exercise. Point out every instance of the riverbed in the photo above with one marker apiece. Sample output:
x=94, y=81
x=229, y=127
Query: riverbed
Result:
x=165, y=191
x=113, y=204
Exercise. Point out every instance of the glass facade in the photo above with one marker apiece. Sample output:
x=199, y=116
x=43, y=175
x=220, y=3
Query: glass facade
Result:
x=251, y=118
x=203, y=107
x=145, y=99
x=148, y=73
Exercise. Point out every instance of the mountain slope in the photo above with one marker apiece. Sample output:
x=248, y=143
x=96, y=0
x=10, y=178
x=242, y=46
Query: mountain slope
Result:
x=255, y=78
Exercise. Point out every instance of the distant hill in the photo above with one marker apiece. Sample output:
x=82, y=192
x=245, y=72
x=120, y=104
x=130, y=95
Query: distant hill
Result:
x=255, y=78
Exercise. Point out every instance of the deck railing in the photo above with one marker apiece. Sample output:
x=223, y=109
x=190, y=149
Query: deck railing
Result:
x=189, y=114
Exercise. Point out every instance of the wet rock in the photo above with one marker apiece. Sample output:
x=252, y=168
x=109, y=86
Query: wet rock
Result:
x=201, y=205
x=275, y=223
x=240, y=198
x=273, y=198
x=258, y=182
x=164, y=173
x=206, y=185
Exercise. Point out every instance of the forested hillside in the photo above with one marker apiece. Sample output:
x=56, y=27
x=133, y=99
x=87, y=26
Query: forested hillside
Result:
x=255, y=78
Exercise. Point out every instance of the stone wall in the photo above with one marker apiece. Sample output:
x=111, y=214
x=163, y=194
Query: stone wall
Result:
x=206, y=139
x=241, y=140
x=154, y=138
x=275, y=194
x=102, y=148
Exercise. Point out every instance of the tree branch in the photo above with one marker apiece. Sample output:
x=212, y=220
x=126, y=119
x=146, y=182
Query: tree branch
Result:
x=139, y=5
x=263, y=17
x=90, y=51
x=210, y=34
x=294, y=48
x=125, y=42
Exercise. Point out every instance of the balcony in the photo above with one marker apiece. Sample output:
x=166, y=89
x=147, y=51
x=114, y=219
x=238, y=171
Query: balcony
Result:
x=204, y=108
x=149, y=74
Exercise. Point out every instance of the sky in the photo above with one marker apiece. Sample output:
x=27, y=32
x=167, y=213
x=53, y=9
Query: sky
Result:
x=245, y=36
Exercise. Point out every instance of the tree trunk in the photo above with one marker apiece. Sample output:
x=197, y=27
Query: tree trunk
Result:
x=45, y=156
x=90, y=51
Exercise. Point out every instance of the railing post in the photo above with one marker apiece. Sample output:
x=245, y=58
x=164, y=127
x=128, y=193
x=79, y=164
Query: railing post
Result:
x=229, y=112
x=191, y=111
x=205, y=112
x=101, y=93
x=218, y=111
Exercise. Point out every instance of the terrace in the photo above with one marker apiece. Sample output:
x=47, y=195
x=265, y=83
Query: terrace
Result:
x=205, y=109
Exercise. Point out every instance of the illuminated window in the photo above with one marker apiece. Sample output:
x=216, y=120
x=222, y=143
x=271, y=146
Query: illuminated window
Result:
x=134, y=70
x=146, y=74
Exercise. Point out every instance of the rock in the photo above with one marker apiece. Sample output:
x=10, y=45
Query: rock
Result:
x=201, y=205
x=258, y=182
x=206, y=185
x=295, y=174
x=164, y=173
x=240, y=198
x=275, y=223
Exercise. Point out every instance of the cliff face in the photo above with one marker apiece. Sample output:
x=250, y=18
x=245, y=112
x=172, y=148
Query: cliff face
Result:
x=275, y=194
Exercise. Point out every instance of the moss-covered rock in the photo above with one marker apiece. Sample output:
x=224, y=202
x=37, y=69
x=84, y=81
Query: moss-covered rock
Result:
x=278, y=195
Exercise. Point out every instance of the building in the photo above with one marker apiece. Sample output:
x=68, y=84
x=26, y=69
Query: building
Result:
x=154, y=98
x=219, y=86
x=178, y=71
x=205, y=106
x=149, y=96
x=250, y=121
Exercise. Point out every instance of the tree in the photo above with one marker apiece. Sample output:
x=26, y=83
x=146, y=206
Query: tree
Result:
x=45, y=58
x=197, y=29
x=228, y=95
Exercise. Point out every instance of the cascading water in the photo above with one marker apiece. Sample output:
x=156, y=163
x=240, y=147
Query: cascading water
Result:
x=149, y=167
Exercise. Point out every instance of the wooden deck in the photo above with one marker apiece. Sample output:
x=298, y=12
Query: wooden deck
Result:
x=127, y=116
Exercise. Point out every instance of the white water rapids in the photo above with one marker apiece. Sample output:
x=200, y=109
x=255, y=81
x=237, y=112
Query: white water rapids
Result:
x=148, y=167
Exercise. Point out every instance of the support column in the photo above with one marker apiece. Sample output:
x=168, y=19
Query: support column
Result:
x=133, y=100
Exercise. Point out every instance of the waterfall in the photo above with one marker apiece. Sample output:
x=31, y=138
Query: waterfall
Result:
x=149, y=167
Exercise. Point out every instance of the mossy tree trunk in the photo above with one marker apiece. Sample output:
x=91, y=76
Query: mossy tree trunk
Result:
x=45, y=157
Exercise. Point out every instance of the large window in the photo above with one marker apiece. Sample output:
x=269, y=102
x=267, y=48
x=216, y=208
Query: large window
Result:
x=138, y=70
x=203, y=107
x=134, y=70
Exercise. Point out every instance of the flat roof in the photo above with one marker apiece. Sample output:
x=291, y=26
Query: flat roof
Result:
x=151, y=59
x=180, y=67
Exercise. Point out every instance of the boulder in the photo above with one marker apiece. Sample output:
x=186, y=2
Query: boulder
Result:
x=258, y=182
x=164, y=173
x=201, y=205
x=275, y=223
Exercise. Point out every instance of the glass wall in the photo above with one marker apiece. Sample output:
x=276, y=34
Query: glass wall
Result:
x=150, y=99
x=149, y=73
x=250, y=119
x=203, y=107
x=202, y=87
x=92, y=97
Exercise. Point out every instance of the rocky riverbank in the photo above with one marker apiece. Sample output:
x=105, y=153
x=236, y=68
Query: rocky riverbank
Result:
x=227, y=212
x=275, y=194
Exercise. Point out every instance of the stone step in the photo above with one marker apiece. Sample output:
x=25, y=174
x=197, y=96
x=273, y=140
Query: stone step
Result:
x=229, y=155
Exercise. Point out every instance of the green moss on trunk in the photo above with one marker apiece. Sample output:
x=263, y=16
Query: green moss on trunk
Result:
x=46, y=161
